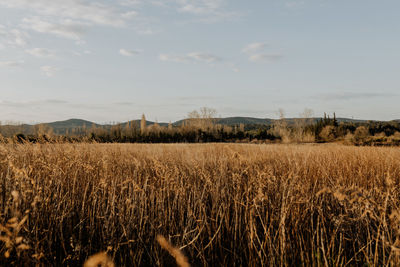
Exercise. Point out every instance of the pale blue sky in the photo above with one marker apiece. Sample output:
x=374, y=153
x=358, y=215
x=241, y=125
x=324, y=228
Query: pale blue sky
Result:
x=114, y=60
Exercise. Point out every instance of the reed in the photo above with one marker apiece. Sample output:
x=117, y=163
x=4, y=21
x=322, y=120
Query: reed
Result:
x=219, y=204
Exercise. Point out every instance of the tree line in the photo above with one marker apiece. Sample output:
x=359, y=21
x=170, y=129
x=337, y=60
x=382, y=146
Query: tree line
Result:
x=201, y=127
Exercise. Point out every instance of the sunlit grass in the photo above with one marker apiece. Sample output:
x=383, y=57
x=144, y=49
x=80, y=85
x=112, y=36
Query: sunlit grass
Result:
x=218, y=204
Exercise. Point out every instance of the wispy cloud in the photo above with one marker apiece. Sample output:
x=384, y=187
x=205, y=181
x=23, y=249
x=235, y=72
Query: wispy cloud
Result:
x=126, y=103
x=18, y=37
x=49, y=71
x=196, y=7
x=11, y=64
x=204, y=11
x=66, y=18
x=66, y=29
x=130, y=14
x=192, y=99
x=173, y=58
x=191, y=57
x=265, y=57
x=13, y=37
x=199, y=57
x=89, y=11
x=144, y=31
x=204, y=57
x=33, y=103
x=131, y=3
x=254, y=47
x=40, y=52
x=233, y=67
x=80, y=53
x=200, y=6
x=129, y=53
x=353, y=96
x=255, y=53
x=294, y=4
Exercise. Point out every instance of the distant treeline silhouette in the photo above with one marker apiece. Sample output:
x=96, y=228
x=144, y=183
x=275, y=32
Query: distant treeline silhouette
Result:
x=201, y=127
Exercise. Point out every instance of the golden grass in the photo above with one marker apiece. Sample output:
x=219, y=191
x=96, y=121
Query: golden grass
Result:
x=221, y=204
x=174, y=252
x=100, y=259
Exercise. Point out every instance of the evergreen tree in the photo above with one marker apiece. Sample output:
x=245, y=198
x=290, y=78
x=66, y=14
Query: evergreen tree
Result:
x=143, y=124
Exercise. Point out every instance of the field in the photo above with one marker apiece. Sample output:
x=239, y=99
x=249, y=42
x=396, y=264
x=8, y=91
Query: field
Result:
x=221, y=204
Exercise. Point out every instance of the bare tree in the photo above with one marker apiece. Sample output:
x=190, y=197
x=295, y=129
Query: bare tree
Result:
x=300, y=133
x=280, y=128
x=202, y=119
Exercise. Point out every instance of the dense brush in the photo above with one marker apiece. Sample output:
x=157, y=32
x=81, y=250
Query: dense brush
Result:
x=219, y=204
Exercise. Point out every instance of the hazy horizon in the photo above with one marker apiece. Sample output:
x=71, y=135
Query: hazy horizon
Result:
x=112, y=122
x=114, y=60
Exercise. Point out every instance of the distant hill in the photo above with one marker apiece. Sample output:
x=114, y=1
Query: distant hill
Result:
x=137, y=123
x=61, y=127
x=243, y=120
x=71, y=123
x=231, y=121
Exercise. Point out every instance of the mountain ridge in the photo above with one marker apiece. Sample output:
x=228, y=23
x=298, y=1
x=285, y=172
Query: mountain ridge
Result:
x=226, y=121
x=64, y=126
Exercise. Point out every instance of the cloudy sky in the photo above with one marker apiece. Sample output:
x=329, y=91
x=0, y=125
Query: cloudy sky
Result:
x=114, y=60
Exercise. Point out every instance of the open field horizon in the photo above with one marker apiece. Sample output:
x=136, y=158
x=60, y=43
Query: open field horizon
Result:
x=203, y=127
x=220, y=204
x=199, y=133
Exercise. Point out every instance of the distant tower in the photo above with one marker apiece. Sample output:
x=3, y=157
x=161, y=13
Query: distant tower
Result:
x=143, y=124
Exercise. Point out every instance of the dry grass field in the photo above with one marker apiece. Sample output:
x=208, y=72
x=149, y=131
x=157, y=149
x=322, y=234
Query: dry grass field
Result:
x=220, y=204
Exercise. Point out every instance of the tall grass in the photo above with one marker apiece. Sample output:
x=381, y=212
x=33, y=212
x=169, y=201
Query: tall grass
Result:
x=219, y=204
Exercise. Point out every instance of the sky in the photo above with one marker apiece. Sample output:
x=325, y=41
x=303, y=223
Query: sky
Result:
x=111, y=61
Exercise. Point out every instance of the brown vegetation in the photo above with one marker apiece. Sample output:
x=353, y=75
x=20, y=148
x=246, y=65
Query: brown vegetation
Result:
x=203, y=127
x=220, y=204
